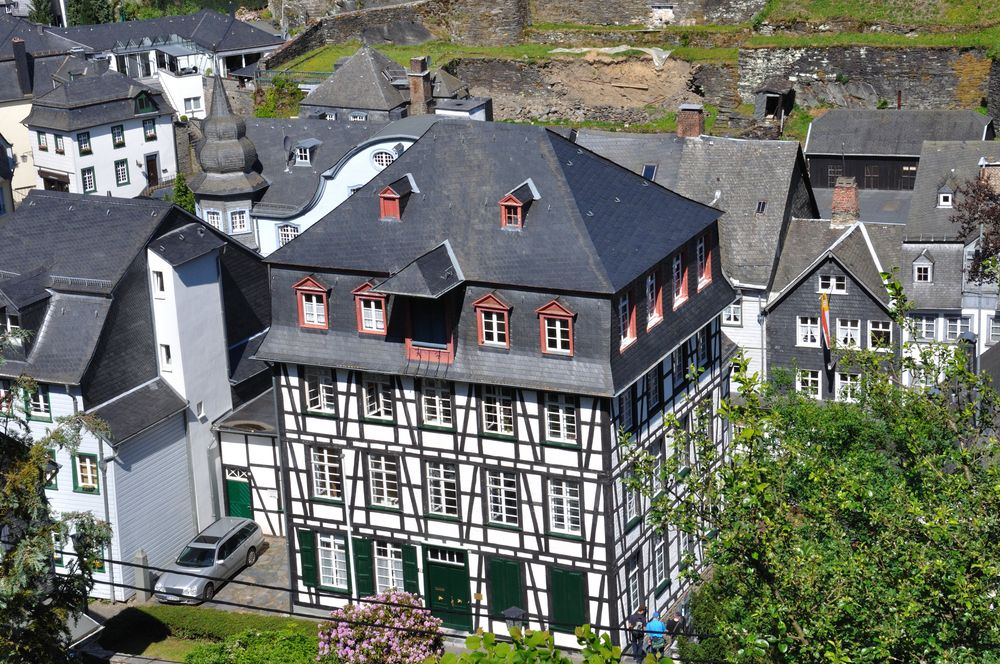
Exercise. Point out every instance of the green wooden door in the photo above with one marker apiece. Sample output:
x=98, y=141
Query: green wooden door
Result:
x=448, y=595
x=505, y=586
x=238, y=498
x=567, y=599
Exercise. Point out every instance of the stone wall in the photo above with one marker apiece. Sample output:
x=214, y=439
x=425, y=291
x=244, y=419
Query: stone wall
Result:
x=861, y=77
x=486, y=22
x=590, y=12
x=993, y=91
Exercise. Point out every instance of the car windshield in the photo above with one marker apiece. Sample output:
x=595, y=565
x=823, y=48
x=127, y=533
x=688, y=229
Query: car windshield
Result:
x=196, y=556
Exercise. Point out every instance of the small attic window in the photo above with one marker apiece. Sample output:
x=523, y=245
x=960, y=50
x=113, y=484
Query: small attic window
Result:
x=514, y=205
x=358, y=116
x=302, y=156
x=392, y=199
x=143, y=104
x=945, y=199
x=649, y=171
x=761, y=206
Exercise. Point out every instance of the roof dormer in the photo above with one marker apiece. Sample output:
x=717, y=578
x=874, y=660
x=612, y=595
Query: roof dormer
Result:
x=144, y=103
x=945, y=197
x=514, y=205
x=305, y=151
x=392, y=199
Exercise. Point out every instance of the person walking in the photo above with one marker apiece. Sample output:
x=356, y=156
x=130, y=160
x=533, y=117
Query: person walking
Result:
x=636, y=626
x=656, y=631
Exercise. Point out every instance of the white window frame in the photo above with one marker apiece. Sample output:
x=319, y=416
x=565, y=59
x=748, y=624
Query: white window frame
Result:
x=327, y=479
x=118, y=137
x=287, y=233
x=653, y=389
x=633, y=504
x=436, y=406
x=378, y=397
x=659, y=562
x=498, y=410
x=849, y=332
x=38, y=402
x=879, y=326
x=732, y=315
x=86, y=472
x=166, y=358
x=302, y=156
x=88, y=174
x=945, y=200
x=214, y=218
x=159, y=285
x=442, y=489
x=149, y=129
x=625, y=319
x=383, y=480
x=494, y=326
x=920, y=325
x=379, y=156
x=372, y=314
x=809, y=383
x=320, y=391
x=677, y=272
x=833, y=284
x=994, y=333
x=557, y=335
x=560, y=418
x=654, y=313
x=388, y=566
x=192, y=104
x=634, y=586
x=955, y=326
x=502, y=497
x=807, y=331
x=313, y=309
x=701, y=261
x=238, y=221
x=121, y=177
x=331, y=559
x=918, y=273
x=565, y=507
x=625, y=408
x=846, y=386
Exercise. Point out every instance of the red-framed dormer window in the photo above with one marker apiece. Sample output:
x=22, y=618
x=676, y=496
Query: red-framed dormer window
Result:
x=654, y=299
x=679, y=275
x=492, y=321
x=371, y=310
x=626, y=320
x=511, y=212
x=311, y=297
x=388, y=204
x=704, y=255
x=555, y=324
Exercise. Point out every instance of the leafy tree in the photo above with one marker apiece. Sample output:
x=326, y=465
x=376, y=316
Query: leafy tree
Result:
x=89, y=12
x=977, y=207
x=182, y=197
x=34, y=601
x=845, y=532
x=41, y=13
x=281, y=100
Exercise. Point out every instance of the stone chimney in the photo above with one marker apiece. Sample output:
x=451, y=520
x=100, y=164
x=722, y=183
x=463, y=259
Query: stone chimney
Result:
x=690, y=121
x=845, y=209
x=21, y=65
x=421, y=92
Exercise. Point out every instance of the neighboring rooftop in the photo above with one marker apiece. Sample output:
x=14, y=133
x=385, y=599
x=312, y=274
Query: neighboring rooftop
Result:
x=892, y=133
x=255, y=416
x=363, y=81
x=877, y=205
x=136, y=411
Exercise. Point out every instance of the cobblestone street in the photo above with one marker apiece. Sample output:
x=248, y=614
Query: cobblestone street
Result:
x=270, y=569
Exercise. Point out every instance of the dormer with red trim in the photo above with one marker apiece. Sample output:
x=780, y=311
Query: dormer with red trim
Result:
x=514, y=205
x=555, y=328
x=393, y=197
x=312, y=300
x=492, y=321
x=371, y=310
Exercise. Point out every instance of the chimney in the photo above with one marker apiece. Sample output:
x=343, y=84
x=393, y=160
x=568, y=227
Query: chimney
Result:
x=21, y=65
x=690, y=121
x=420, y=86
x=845, y=209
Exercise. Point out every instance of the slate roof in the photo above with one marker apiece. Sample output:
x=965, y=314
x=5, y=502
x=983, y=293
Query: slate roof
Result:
x=363, y=81
x=242, y=364
x=255, y=416
x=37, y=41
x=65, y=342
x=207, y=28
x=891, y=132
x=292, y=187
x=186, y=243
x=90, y=101
x=945, y=291
x=37, y=236
x=430, y=276
x=730, y=174
x=596, y=227
x=808, y=241
x=989, y=362
x=878, y=205
x=140, y=409
x=41, y=70
x=943, y=163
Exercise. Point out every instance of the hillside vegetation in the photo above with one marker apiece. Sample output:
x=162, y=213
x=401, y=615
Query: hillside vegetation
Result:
x=943, y=13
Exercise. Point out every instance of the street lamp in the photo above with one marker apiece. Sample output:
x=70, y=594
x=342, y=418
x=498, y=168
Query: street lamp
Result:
x=515, y=617
x=50, y=472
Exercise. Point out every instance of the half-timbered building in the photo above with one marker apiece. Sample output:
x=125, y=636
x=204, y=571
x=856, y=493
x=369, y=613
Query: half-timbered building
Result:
x=456, y=350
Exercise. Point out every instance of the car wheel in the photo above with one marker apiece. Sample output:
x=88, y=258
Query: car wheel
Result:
x=209, y=593
x=251, y=556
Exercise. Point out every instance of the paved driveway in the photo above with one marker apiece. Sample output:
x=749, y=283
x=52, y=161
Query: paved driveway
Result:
x=270, y=569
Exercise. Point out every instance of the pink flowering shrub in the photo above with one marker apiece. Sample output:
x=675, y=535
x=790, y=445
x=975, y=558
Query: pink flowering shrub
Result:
x=412, y=636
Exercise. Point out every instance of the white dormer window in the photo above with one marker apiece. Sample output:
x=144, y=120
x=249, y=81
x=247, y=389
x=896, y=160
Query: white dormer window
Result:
x=945, y=199
x=358, y=116
x=302, y=156
x=923, y=273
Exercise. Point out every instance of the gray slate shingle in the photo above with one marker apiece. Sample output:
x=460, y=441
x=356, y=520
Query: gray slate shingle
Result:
x=890, y=132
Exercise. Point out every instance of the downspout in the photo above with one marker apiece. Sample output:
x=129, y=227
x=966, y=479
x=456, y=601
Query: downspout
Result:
x=762, y=319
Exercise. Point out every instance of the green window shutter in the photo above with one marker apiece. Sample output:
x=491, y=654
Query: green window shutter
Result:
x=307, y=556
x=567, y=600
x=410, y=580
x=505, y=585
x=363, y=567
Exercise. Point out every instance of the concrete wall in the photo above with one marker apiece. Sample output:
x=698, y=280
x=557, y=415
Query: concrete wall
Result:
x=859, y=77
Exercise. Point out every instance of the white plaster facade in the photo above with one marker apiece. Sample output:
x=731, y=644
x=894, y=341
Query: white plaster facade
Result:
x=12, y=115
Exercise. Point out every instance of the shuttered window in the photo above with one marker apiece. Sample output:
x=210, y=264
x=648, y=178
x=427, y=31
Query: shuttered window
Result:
x=568, y=599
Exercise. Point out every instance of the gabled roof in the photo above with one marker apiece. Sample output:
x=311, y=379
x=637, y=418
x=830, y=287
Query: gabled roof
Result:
x=364, y=82
x=889, y=132
x=91, y=101
x=865, y=250
x=430, y=276
x=943, y=163
x=138, y=410
x=878, y=205
x=186, y=243
x=596, y=228
x=207, y=28
x=38, y=41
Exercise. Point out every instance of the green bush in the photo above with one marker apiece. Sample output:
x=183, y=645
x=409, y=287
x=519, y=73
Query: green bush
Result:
x=196, y=622
x=258, y=647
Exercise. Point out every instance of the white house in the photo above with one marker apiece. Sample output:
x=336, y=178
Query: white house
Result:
x=102, y=133
x=138, y=333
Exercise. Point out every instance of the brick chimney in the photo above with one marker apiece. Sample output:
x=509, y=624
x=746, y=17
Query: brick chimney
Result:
x=421, y=92
x=21, y=65
x=690, y=121
x=845, y=209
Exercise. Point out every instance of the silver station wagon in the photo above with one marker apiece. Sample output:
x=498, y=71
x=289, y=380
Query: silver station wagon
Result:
x=218, y=552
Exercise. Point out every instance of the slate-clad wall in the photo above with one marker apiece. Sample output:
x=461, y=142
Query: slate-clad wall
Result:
x=861, y=76
x=993, y=91
x=245, y=293
x=782, y=351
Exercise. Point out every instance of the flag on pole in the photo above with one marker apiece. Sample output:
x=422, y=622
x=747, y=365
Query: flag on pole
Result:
x=824, y=319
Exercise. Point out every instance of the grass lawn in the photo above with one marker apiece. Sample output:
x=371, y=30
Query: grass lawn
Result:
x=945, y=13
x=171, y=632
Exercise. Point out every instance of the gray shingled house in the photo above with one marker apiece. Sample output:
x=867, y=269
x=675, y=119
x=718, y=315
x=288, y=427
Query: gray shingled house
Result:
x=146, y=318
x=456, y=348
